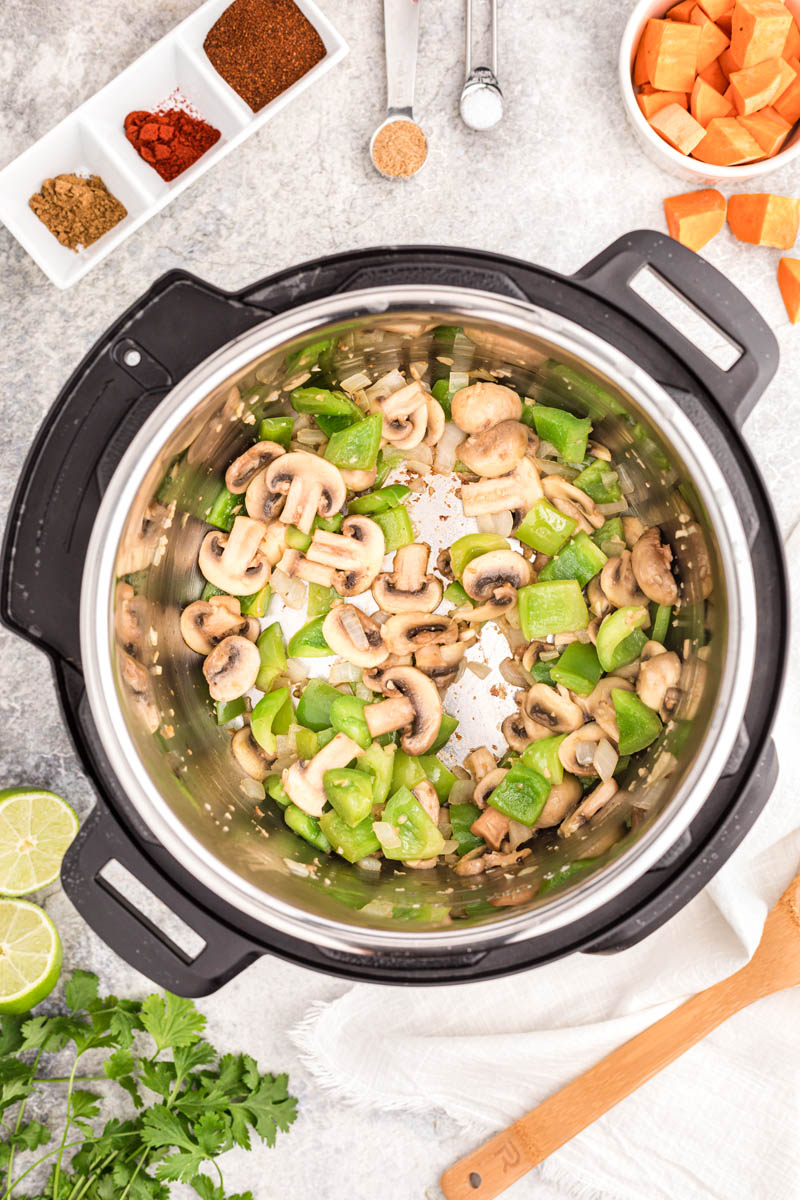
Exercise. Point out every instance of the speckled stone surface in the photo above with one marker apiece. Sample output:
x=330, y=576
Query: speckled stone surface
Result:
x=555, y=183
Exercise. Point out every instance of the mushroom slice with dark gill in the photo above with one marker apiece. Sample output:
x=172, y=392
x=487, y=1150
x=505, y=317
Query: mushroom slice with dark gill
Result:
x=573, y=502
x=356, y=554
x=231, y=668
x=599, y=704
x=496, y=451
x=496, y=577
x=597, y=799
x=244, y=468
x=303, y=780
x=249, y=755
x=372, y=677
x=312, y=486
x=204, y=623
x=440, y=663
x=578, y=749
x=552, y=708
x=651, y=561
x=658, y=679
x=130, y=618
x=233, y=561
x=352, y=634
x=516, y=492
x=486, y=785
x=405, y=416
x=618, y=582
x=412, y=705
x=408, y=588
x=481, y=405
x=405, y=633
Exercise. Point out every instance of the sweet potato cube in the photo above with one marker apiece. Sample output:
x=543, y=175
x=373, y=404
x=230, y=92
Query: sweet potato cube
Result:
x=695, y=218
x=728, y=63
x=682, y=11
x=788, y=103
x=714, y=76
x=791, y=47
x=712, y=40
x=759, y=30
x=768, y=128
x=714, y=9
x=789, y=283
x=670, y=52
x=764, y=220
x=653, y=102
x=727, y=143
x=755, y=87
x=677, y=127
x=706, y=103
x=639, y=71
x=725, y=22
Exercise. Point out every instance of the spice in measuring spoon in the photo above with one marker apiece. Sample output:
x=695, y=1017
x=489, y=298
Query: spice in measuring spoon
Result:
x=399, y=149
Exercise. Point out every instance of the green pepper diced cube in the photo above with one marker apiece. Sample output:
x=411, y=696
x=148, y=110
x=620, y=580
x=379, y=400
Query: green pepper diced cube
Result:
x=314, y=706
x=455, y=593
x=542, y=756
x=223, y=509
x=578, y=668
x=271, y=715
x=599, y=480
x=273, y=656
x=350, y=793
x=541, y=671
x=388, y=459
x=276, y=429
x=307, y=743
x=306, y=826
x=320, y=599
x=228, y=710
x=567, y=874
x=379, y=501
x=307, y=356
x=638, y=724
x=377, y=764
x=462, y=816
x=556, y=606
x=356, y=448
x=545, y=529
x=416, y=832
x=569, y=434
x=407, y=771
x=443, y=394
x=256, y=605
x=330, y=524
x=610, y=537
x=347, y=716
x=521, y=794
x=309, y=642
x=620, y=638
x=276, y=791
x=580, y=559
x=661, y=620
x=352, y=842
x=324, y=402
x=296, y=539
x=210, y=590
x=396, y=526
x=446, y=730
x=464, y=549
x=438, y=775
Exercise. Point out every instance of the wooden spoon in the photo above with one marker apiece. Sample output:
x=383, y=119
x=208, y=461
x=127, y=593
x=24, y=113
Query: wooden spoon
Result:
x=507, y=1156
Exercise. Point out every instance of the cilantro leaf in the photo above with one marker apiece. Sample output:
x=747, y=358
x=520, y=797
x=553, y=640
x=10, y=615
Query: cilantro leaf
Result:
x=188, y=1058
x=162, y=1127
x=120, y=1063
x=269, y=1107
x=171, y=1020
x=31, y=1135
x=81, y=990
x=11, y=1032
x=50, y=1033
x=205, y=1187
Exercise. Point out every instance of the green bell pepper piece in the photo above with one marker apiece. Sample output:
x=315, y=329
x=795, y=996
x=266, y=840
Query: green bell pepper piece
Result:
x=331, y=524
x=228, y=710
x=388, y=460
x=296, y=539
x=276, y=429
x=407, y=772
x=320, y=599
x=323, y=402
x=455, y=593
x=276, y=791
x=324, y=736
x=545, y=529
x=572, y=384
x=220, y=511
x=661, y=620
x=309, y=642
x=462, y=816
x=578, y=668
x=521, y=794
x=347, y=716
x=307, y=827
x=209, y=590
x=610, y=538
x=429, y=913
x=257, y=604
x=446, y=730
x=580, y=559
x=314, y=706
x=569, y=434
x=350, y=793
x=620, y=638
x=273, y=656
x=396, y=526
x=443, y=393
x=351, y=842
x=556, y=606
x=271, y=715
x=638, y=724
x=307, y=357
x=377, y=764
x=542, y=756
x=438, y=775
x=307, y=743
x=599, y=480
x=356, y=448
x=567, y=874
x=464, y=549
x=380, y=501
x=419, y=837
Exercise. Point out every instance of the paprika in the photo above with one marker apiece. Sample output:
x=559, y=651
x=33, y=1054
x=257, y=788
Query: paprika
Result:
x=170, y=141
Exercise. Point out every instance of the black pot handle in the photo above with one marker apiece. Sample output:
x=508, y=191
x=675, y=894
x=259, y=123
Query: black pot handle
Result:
x=706, y=290
x=116, y=919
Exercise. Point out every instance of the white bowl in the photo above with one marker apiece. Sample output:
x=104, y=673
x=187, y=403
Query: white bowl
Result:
x=654, y=146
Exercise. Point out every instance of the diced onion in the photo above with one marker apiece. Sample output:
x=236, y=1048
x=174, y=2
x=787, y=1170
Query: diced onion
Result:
x=462, y=791
x=291, y=591
x=386, y=834
x=584, y=753
x=420, y=454
x=386, y=385
x=353, y=628
x=450, y=846
x=479, y=669
x=518, y=833
x=458, y=380
x=252, y=789
x=501, y=522
x=612, y=510
x=625, y=481
x=355, y=383
x=605, y=759
x=296, y=670
x=446, y=448
x=369, y=864
x=345, y=672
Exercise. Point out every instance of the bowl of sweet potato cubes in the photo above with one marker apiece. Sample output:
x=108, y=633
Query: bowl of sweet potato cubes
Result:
x=712, y=87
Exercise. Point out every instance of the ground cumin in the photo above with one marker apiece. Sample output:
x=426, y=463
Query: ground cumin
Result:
x=399, y=149
x=261, y=47
x=76, y=209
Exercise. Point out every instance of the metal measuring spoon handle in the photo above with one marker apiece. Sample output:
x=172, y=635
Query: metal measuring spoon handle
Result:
x=481, y=103
x=401, y=24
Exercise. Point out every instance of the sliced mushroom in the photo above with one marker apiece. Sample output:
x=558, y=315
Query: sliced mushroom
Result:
x=408, y=588
x=651, y=559
x=440, y=663
x=130, y=617
x=249, y=755
x=514, y=731
x=428, y=799
x=492, y=826
x=481, y=405
x=516, y=492
x=405, y=416
x=480, y=762
x=443, y=564
x=404, y=633
x=496, y=451
x=205, y=623
x=358, y=481
x=261, y=503
x=436, y=421
x=356, y=554
x=494, y=858
x=302, y=781
x=572, y=502
x=658, y=678
x=553, y=708
x=496, y=577
x=138, y=683
x=233, y=561
x=486, y=786
x=372, y=677
x=296, y=566
x=632, y=530
x=273, y=543
x=599, y=705
x=577, y=749
x=231, y=668
x=412, y=705
x=311, y=484
x=355, y=636
x=599, y=603
x=618, y=581
x=244, y=468
x=561, y=799
x=588, y=808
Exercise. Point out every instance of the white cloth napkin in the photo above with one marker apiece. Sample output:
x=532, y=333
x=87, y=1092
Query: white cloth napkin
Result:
x=722, y=1123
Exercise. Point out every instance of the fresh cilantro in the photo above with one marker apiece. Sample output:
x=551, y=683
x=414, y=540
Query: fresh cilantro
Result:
x=191, y=1103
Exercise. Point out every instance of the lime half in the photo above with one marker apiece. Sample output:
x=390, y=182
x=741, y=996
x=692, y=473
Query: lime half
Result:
x=30, y=955
x=35, y=830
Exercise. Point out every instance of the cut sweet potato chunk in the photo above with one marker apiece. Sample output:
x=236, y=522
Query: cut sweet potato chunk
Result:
x=725, y=22
x=695, y=218
x=727, y=143
x=728, y=63
x=653, y=102
x=639, y=71
x=791, y=47
x=670, y=53
x=768, y=128
x=714, y=9
x=759, y=30
x=755, y=87
x=715, y=76
x=682, y=11
x=789, y=283
x=788, y=103
x=712, y=40
x=706, y=103
x=678, y=128
x=764, y=220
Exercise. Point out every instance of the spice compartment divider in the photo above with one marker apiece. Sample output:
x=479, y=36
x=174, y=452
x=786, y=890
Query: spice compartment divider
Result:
x=92, y=138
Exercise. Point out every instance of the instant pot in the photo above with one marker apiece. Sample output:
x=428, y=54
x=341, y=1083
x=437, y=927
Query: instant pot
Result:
x=181, y=379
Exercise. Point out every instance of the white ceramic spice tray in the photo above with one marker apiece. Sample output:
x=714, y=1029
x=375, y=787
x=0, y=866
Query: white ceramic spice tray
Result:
x=91, y=140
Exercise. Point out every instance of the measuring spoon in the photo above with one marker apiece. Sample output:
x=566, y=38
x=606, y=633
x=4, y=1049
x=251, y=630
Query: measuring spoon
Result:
x=401, y=25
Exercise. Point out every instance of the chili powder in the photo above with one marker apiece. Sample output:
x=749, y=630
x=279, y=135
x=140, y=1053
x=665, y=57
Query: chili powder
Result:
x=170, y=141
x=261, y=47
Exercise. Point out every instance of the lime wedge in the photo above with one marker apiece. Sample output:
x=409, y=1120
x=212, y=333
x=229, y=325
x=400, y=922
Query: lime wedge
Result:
x=30, y=955
x=35, y=830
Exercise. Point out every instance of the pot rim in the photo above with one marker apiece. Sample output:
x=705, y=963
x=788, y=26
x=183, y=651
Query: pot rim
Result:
x=96, y=623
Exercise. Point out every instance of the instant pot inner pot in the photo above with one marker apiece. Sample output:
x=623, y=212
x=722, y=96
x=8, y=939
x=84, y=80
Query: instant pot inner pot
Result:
x=164, y=698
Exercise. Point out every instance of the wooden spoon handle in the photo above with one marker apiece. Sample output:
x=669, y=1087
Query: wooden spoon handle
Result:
x=497, y=1164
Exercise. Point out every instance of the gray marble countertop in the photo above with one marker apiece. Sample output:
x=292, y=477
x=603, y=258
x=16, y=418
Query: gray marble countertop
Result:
x=560, y=179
